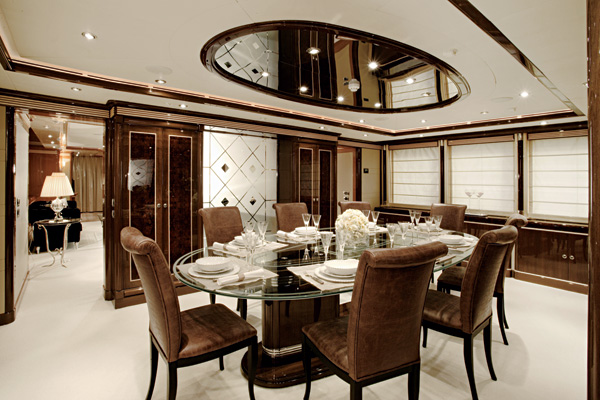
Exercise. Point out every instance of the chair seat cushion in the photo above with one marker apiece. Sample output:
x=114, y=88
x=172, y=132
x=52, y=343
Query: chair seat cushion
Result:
x=211, y=327
x=452, y=276
x=331, y=338
x=442, y=309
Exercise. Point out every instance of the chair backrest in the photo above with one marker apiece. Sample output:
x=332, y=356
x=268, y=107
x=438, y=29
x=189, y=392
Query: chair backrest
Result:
x=518, y=221
x=289, y=215
x=221, y=224
x=481, y=274
x=453, y=215
x=353, y=205
x=387, y=307
x=161, y=298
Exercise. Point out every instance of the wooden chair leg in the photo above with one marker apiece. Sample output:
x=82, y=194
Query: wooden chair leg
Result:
x=243, y=308
x=172, y=386
x=221, y=364
x=501, y=318
x=414, y=378
x=252, y=362
x=355, y=391
x=424, y=337
x=468, y=355
x=487, y=345
x=153, y=369
x=503, y=311
x=213, y=298
x=306, y=356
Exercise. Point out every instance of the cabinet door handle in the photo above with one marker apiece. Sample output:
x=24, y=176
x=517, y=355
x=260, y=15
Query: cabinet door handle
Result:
x=564, y=256
x=164, y=205
x=571, y=258
x=158, y=206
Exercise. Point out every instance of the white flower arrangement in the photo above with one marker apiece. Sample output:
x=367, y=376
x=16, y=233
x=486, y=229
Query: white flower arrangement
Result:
x=354, y=223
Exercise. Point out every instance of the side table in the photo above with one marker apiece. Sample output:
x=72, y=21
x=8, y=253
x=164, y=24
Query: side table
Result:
x=42, y=224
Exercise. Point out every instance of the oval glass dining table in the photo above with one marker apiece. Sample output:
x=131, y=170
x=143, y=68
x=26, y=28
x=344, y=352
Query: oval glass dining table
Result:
x=287, y=277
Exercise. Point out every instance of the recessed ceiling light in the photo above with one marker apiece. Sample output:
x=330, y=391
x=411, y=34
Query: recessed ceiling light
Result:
x=543, y=123
x=423, y=121
x=46, y=127
x=421, y=135
x=361, y=121
x=88, y=35
x=340, y=98
x=377, y=105
x=524, y=93
x=373, y=65
x=313, y=50
x=54, y=146
x=182, y=105
x=52, y=142
x=76, y=89
x=426, y=94
x=161, y=81
x=410, y=80
x=484, y=112
x=562, y=130
x=303, y=89
x=265, y=73
x=321, y=127
x=49, y=136
x=365, y=135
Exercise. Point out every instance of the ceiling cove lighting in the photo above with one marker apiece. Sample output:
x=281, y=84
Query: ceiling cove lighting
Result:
x=524, y=94
x=88, y=35
x=160, y=81
x=313, y=51
x=373, y=65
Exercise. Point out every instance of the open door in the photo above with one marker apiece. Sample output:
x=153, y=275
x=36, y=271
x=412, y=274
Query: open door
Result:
x=21, y=242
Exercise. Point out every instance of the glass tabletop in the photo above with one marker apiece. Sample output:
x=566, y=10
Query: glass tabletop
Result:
x=285, y=269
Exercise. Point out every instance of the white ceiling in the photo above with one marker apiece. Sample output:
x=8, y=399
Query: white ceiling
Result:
x=144, y=40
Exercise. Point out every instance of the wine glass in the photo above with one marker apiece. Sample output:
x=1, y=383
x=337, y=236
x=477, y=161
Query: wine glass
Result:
x=262, y=230
x=429, y=224
x=417, y=218
x=340, y=241
x=249, y=227
x=250, y=240
x=316, y=220
x=375, y=215
x=326, y=240
x=306, y=219
x=479, y=193
x=391, y=227
x=366, y=212
x=469, y=193
x=403, y=227
x=437, y=220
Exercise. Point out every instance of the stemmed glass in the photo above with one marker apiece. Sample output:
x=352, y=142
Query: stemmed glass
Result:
x=391, y=227
x=262, y=230
x=375, y=215
x=412, y=218
x=417, y=218
x=326, y=239
x=469, y=193
x=316, y=220
x=306, y=219
x=403, y=227
x=429, y=223
x=340, y=242
x=250, y=240
x=479, y=193
x=366, y=212
x=437, y=220
x=249, y=227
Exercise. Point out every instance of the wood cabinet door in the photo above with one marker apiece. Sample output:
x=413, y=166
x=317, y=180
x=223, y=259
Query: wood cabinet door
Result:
x=543, y=252
x=578, y=258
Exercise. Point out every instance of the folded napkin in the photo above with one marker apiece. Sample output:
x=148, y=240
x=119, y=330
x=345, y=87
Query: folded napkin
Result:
x=226, y=247
x=289, y=235
x=259, y=273
x=445, y=259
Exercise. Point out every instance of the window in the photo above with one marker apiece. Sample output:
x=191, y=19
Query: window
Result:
x=558, y=177
x=482, y=174
x=415, y=177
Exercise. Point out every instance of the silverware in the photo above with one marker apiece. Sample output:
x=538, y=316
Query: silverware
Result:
x=316, y=278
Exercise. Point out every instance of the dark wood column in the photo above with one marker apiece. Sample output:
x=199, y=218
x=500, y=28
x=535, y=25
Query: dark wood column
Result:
x=593, y=18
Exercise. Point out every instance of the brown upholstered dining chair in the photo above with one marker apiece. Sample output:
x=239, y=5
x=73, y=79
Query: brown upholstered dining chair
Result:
x=380, y=338
x=189, y=337
x=452, y=278
x=222, y=225
x=289, y=215
x=353, y=205
x=469, y=314
x=453, y=215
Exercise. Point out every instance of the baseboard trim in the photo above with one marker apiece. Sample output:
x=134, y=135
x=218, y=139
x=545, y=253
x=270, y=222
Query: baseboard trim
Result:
x=552, y=282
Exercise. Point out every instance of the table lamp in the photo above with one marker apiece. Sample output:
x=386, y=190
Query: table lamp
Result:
x=57, y=185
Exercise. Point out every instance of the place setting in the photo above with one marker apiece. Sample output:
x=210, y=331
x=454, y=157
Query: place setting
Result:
x=332, y=274
x=217, y=272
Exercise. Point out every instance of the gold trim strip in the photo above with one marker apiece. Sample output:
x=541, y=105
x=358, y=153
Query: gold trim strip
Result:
x=49, y=106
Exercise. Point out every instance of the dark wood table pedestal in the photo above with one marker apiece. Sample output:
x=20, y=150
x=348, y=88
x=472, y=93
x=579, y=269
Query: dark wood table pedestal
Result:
x=280, y=353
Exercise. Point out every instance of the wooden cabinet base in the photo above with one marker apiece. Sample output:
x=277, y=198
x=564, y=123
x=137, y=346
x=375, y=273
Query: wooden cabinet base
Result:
x=282, y=371
x=552, y=282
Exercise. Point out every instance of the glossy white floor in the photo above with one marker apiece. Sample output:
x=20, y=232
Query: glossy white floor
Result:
x=68, y=343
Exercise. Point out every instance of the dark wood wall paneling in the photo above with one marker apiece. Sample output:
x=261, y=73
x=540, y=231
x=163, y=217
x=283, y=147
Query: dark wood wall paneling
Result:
x=9, y=225
x=593, y=25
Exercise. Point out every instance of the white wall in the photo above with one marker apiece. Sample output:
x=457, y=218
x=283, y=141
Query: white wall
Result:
x=345, y=176
x=371, y=181
x=21, y=203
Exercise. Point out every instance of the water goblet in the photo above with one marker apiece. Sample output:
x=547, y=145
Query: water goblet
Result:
x=262, y=230
x=469, y=193
x=306, y=219
x=375, y=215
x=403, y=227
x=437, y=220
x=479, y=193
x=429, y=224
x=391, y=227
x=326, y=240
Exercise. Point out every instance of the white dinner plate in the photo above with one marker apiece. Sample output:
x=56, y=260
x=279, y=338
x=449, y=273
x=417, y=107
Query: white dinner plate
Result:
x=232, y=269
x=302, y=230
x=451, y=239
x=341, y=267
x=321, y=272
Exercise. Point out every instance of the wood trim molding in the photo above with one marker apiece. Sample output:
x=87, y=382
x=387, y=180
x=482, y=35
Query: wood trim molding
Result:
x=557, y=135
x=552, y=282
x=413, y=145
x=495, y=139
x=29, y=103
x=363, y=145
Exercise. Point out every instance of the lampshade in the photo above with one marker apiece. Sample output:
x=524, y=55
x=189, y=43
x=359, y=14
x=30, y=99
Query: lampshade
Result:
x=56, y=185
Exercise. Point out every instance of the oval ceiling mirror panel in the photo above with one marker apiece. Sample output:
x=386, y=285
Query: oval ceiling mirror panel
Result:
x=333, y=66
